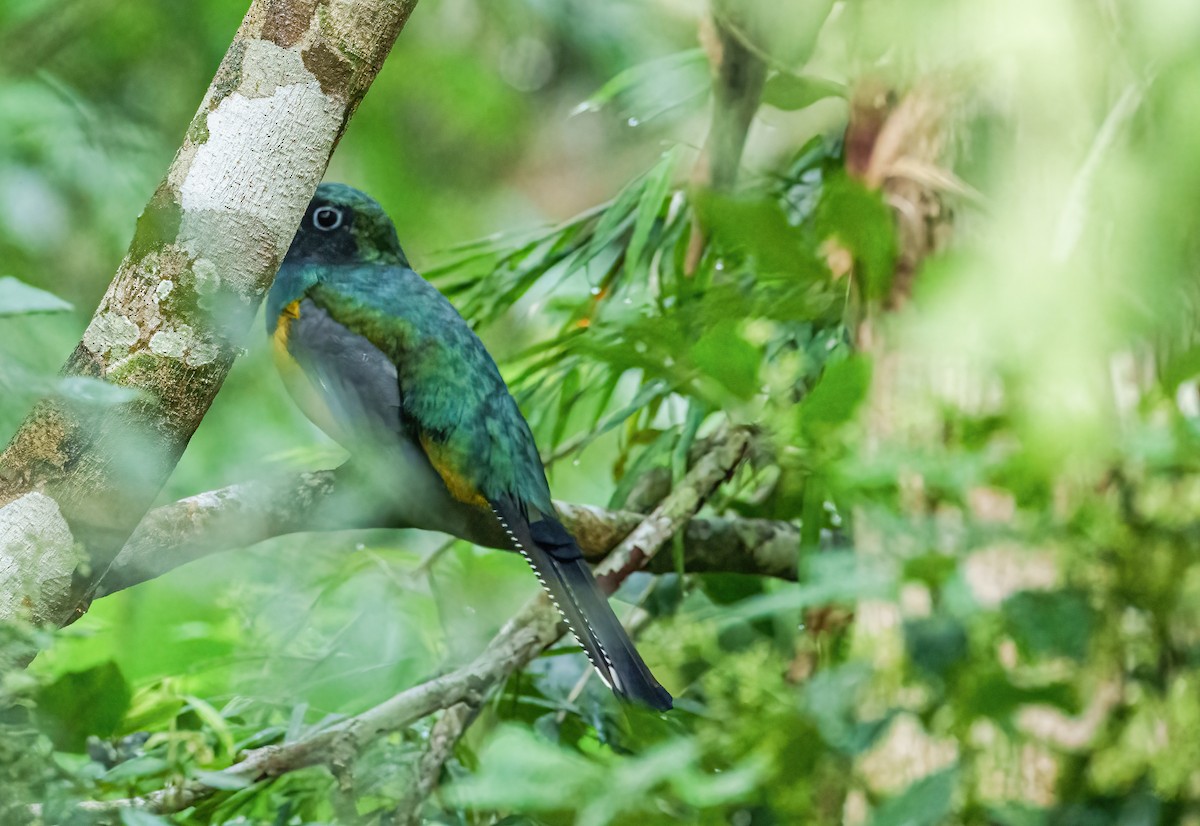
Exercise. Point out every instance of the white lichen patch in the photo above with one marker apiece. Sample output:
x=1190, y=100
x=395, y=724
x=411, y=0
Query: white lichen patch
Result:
x=266, y=66
x=202, y=351
x=208, y=280
x=109, y=331
x=229, y=205
x=183, y=342
x=37, y=559
x=163, y=289
x=172, y=343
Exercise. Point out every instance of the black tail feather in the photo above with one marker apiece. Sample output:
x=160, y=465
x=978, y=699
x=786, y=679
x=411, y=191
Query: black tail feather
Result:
x=559, y=564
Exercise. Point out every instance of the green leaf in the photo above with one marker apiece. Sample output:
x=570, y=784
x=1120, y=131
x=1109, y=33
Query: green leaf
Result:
x=784, y=32
x=613, y=223
x=724, y=355
x=812, y=514
x=519, y=770
x=988, y=692
x=656, y=454
x=931, y=569
x=859, y=218
x=652, y=88
x=647, y=393
x=213, y=719
x=707, y=790
x=152, y=709
x=793, y=92
x=1180, y=367
x=18, y=298
x=1017, y=814
x=835, y=577
x=604, y=397
x=83, y=703
x=837, y=396
x=136, y=769
x=658, y=184
x=138, y=817
x=568, y=395
x=935, y=644
x=679, y=467
x=924, y=803
x=759, y=228
x=1050, y=623
x=831, y=698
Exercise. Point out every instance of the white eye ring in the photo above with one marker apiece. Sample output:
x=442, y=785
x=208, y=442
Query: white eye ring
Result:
x=327, y=218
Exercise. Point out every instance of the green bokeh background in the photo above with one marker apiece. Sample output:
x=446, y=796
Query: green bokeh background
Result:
x=1059, y=332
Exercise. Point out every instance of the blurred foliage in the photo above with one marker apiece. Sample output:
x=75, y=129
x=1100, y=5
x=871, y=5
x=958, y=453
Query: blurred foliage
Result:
x=997, y=616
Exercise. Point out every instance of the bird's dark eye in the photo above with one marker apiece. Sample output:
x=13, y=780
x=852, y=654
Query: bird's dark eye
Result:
x=327, y=218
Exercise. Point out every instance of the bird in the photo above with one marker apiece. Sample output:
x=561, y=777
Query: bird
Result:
x=382, y=362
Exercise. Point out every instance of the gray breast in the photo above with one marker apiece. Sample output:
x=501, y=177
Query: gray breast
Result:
x=348, y=387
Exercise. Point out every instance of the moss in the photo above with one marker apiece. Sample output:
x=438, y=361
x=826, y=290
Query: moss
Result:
x=172, y=268
x=229, y=74
x=197, y=131
x=135, y=365
x=158, y=225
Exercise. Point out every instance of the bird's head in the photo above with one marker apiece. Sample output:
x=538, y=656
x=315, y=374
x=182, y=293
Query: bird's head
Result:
x=344, y=226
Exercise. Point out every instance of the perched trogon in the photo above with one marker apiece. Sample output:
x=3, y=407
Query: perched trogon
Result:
x=381, y=361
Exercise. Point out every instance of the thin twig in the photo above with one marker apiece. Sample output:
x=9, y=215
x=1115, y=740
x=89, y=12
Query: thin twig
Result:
x=439, y=748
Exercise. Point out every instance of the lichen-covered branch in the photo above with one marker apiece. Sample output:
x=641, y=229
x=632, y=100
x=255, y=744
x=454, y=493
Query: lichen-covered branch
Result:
x=204, y=251
x=220, y=520
x=536, y=627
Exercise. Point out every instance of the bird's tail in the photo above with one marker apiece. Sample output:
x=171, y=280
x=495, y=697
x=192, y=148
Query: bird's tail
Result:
x=559, y=564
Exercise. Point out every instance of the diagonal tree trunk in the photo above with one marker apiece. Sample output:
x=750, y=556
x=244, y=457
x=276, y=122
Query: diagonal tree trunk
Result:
x=74, y=481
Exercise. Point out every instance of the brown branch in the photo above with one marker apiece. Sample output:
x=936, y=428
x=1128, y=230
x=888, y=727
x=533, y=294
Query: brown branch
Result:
x=443, y=738
x=219, y=520
x=536, y=627
x=171, y=323
x=640, y=546
x=250, y=512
